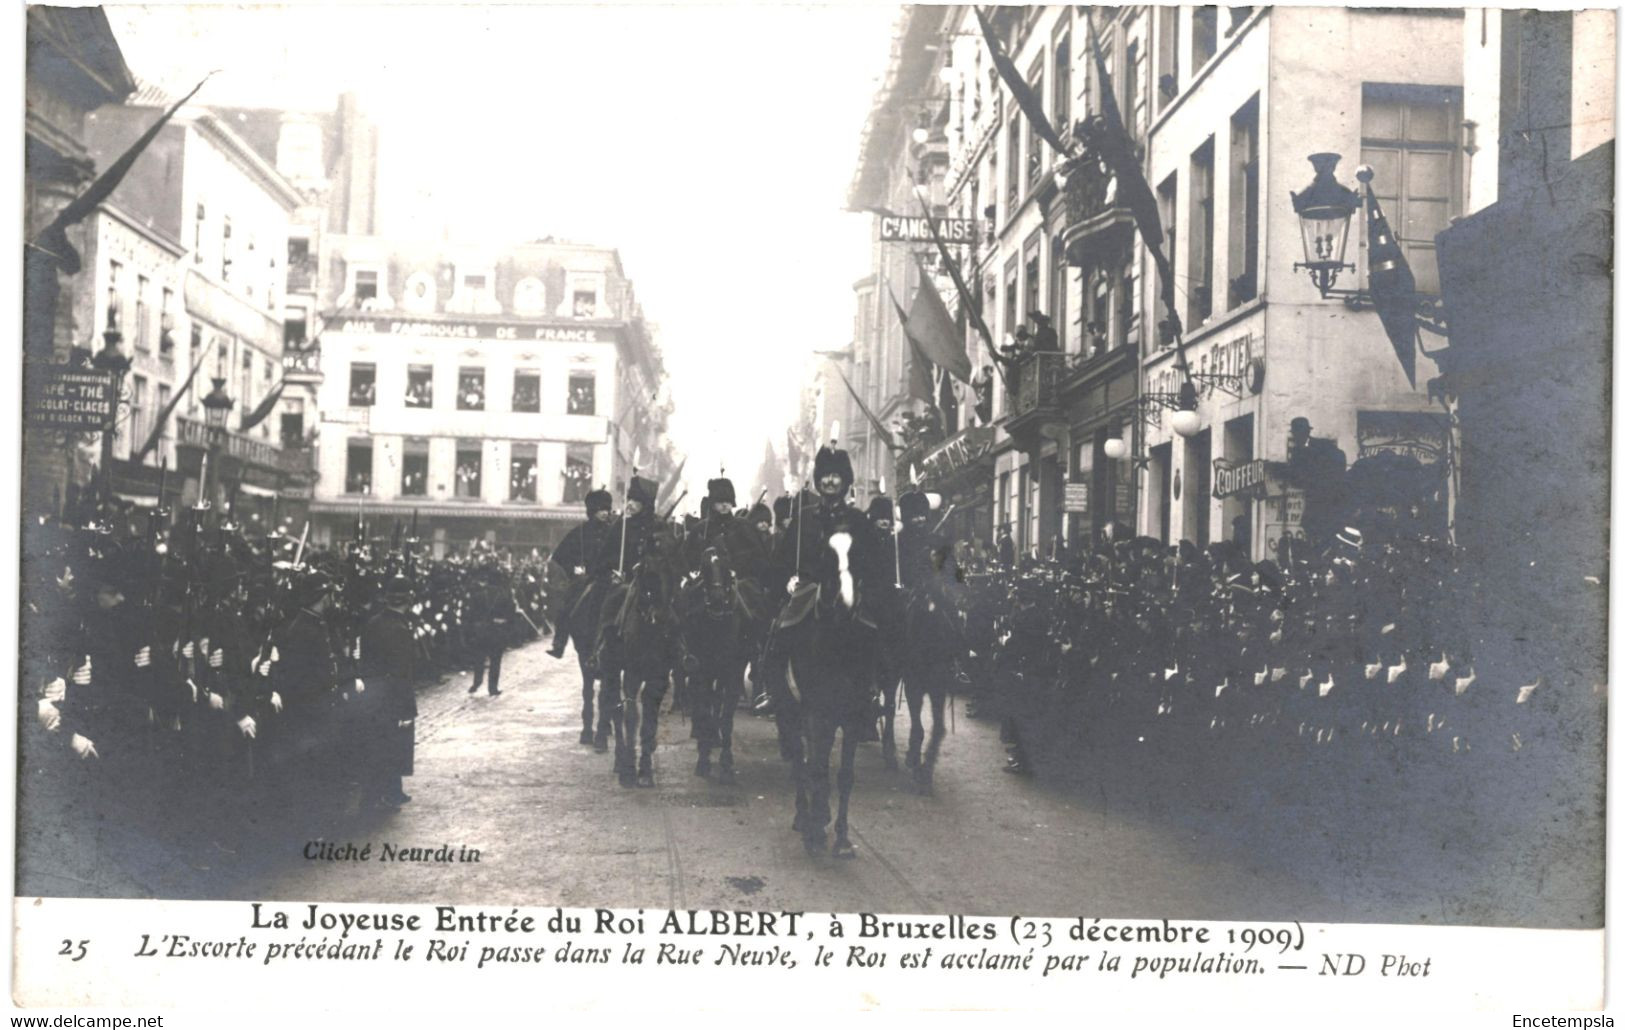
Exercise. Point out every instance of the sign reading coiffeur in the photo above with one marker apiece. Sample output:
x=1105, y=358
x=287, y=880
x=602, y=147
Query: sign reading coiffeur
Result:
x=902, y=229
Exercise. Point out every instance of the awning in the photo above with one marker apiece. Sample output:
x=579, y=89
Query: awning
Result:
x=257, y=491
x=139, y=500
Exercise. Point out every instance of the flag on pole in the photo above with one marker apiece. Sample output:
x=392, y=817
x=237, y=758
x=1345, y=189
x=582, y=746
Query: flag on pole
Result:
x=1030, y=104
x=935, y=331
x=920, y=383
x=1393, y=286
x=967, y=299
x=880, y=430
x=169, y=409
x=260, y=413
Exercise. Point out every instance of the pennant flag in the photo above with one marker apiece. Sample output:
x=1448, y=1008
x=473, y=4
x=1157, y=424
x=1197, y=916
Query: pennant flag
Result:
x=1030, y=105
x=935, y=330
x=671, y=482
x=1393, y=286
x=967, y=299
x=260, y=413
x=1113, y=147
x=108, y=181
x=169, y=409
x=920, y=385
x=880, y=430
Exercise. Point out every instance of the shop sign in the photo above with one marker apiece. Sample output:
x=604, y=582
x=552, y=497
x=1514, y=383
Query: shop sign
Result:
x=1230, y=479
x=904, y=229
x=1076, y=498
x=1229, y=357
x=1409, y=434
x=963, y=449
x=1283, y=517
x=68, y=397
x=438, y=330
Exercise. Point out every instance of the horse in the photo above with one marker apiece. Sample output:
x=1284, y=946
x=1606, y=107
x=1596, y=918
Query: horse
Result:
x=641, y=644
x=581, y=619
x=831, y=650
x=714, y=633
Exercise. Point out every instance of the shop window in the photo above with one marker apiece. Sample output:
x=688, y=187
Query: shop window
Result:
x=577, y=472
x=1408, y=137
x=522, y=472
x=527, y=392
x=363, y=384
x=583, y=393
x=415, y=467
x=470, y=389
x=358, y=467
x=467, y=469
x=420, y=386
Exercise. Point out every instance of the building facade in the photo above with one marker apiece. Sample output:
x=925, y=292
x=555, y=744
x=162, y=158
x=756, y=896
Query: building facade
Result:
x=1222, y=106
x=189, y=268
x=483, y=392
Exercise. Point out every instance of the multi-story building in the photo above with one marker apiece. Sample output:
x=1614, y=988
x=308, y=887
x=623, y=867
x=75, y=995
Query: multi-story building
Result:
x=74, y=66
x=481, y=391
x=1222, y=106
x=200, y=196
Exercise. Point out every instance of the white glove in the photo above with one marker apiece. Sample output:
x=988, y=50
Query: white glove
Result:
x=246, y=724
x=56, y=690
x=790, y=587
x=81, y=675
x=276, y=656
x=265, y=667
x=360, y=687
x=189, y=650
x=217, y=702
x=276, y=701
x=217, y=658
x=143, y=657
x=580, y=571
x=84, y=747
x=50, y=719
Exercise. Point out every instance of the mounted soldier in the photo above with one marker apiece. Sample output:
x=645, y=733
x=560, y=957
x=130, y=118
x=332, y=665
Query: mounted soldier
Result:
x=570, y=561
x=933, y=636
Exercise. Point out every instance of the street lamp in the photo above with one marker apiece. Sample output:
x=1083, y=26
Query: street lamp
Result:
x=111, y=358
x=1325, y=210
x=216, y=406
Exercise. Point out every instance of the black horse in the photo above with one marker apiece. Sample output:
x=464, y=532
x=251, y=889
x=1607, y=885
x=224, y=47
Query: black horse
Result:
x=581, y=620
x=716, y=640
x=830, y=675
x=640, y=646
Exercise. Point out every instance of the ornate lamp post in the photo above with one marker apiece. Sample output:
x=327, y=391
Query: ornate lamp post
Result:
x=111, y=358
x=216, y=406
x=1324, y=211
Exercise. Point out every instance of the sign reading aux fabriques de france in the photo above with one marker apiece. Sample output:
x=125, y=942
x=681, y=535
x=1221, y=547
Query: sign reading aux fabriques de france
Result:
x=69, y=397
x=478, y=330
x=903, y=229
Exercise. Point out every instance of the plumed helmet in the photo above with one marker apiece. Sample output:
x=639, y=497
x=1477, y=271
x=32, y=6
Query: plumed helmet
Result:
x=643, y=491
x=761, y=513
x=880, y=508
x=396, y=589
x=914, y=505
x=310, y=586
x=832, y=461
x=599, y=500
x=719, y=491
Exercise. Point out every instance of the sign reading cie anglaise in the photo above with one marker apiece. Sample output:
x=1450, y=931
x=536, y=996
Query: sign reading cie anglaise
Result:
x=480, y=330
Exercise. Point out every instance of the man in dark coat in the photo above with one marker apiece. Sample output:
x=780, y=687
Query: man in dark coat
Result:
x=388, y=667
x=629, y=536
x=570, y=561
x=492, y=614
x=888, y=608
x=1317, y=466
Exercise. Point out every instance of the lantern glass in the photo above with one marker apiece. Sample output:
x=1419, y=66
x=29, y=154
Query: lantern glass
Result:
x=1325, y=211
x=1186, y=423
x=1115, y=448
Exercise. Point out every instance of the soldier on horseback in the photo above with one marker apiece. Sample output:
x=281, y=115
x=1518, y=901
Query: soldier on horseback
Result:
x=571, y=559
x=933, y=637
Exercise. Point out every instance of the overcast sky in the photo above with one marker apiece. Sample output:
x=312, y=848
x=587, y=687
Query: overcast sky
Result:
x=712, y=144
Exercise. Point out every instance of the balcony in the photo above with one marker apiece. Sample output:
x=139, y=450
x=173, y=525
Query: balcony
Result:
x=303, y=367
x=1033, y=391
x=1096, y=219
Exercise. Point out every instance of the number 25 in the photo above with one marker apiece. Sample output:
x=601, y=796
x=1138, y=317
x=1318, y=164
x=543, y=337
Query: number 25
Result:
x=68, y=949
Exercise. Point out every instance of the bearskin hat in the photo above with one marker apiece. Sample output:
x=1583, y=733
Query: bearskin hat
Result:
x=643, y=491
x=833, y=461
x=914, y=505
x=599, y=500
x=781, y=510
x=761, y=513
x=719, y=491
x=880, y=508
